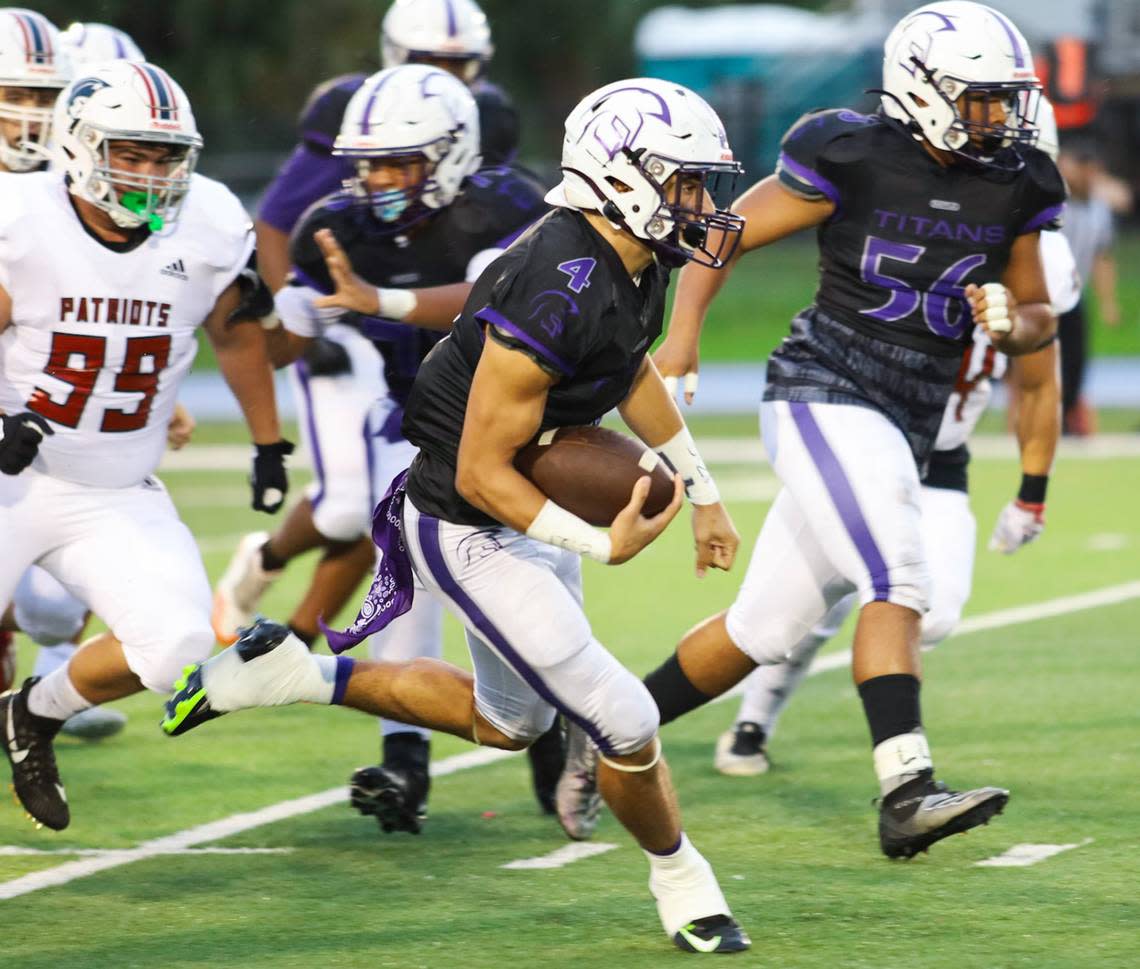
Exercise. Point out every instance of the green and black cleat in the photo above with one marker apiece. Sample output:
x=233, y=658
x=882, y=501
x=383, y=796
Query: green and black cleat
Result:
x=189, y=706
x=715, y=933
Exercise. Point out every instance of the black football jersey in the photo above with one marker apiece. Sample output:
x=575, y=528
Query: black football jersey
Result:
x=494, y=208
x=889, y=322
x=560, y=295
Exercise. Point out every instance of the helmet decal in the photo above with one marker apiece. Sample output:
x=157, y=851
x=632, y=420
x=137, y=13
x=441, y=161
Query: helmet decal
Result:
x=37, y=38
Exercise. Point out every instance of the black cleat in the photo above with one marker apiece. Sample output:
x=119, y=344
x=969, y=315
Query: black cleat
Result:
x=922, y=811
x=397, y=798
x=716, y=933
x=547, y=757
x=35, y=776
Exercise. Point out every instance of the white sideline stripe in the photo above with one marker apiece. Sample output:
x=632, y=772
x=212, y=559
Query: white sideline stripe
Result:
x=217, y=830
x=14, y=851
x=237, y=823
x=566, y=855
x=746, y=449
x=1022, y=856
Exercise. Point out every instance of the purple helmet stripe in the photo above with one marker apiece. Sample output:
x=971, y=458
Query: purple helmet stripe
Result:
x=366, y=121
x=452, y=26
x=120, y=47
x=1018, y=54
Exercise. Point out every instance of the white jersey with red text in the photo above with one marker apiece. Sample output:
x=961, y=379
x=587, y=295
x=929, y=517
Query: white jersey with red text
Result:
x=100, y=339
x=981, y=362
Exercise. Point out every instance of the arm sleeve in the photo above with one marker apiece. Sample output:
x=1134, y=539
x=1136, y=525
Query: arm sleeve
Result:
x=798, y=167
x=532, y=306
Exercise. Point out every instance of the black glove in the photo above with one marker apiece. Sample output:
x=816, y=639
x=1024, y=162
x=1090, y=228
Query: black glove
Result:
x=326, y=358
x=20, y=436
x=268, y=478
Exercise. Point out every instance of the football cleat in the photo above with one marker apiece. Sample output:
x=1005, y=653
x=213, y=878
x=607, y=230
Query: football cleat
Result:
x=231, y=680
x=547, y=757
x=27, y=742
x=740, y=752
x=922, y=811
x=94, y=723
x=576, y=796
x=396, y=797
x=240, y=588
x=717, y=933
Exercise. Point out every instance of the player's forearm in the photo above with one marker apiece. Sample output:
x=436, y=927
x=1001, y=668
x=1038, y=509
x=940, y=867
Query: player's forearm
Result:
x=1039, y=409
x=243, y=360
x=284, y=346
x=272, y=255
x=1036, y=324
x=437, y=307
x=697, y=287
x=493, y=486
x=648, y=410
x=1104, y=286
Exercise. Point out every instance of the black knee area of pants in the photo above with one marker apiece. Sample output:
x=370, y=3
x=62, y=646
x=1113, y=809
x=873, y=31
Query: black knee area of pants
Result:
x=891, y=705
x=673, y=691
x=407, y=750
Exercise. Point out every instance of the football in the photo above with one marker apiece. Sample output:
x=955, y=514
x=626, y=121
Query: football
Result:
x=590, y=471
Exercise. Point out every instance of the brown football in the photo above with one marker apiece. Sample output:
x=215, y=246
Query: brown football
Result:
x=591, y=471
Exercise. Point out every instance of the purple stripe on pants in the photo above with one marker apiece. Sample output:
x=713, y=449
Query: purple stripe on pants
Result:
x=302, y=371
x=437, y=565
x=843, y=497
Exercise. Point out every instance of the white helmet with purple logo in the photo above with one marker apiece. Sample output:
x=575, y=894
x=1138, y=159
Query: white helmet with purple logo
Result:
x=419, y=31
x=93, y=43
x=625, y=141
x=941, y=54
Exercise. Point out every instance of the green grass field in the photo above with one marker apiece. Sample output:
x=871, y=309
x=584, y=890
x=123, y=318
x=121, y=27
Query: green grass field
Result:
x=1046, y=707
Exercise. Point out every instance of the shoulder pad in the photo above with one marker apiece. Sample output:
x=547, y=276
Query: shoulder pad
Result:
x=1044, y=192
x=214, y=215
x=321, y=116
x=805, y=143
x=331, y=212
x=498, y=124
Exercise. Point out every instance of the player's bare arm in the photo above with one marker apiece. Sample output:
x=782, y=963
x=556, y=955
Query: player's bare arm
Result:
x=771, y=212
x=504, y=412
x=433, y=308
x=244, y=363
x=1025, y=320
x=272, y=254
x=651, y=413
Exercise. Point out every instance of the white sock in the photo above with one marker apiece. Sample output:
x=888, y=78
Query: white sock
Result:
x=901, y=758
x=684, y=886
x=51, y=658
x=55, y=696
x=289, y=673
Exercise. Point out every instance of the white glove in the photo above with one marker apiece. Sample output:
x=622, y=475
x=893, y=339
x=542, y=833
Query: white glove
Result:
x=294, y=305
x=1018, y=524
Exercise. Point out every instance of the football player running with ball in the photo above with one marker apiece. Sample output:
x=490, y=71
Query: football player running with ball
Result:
x=109, y=264
x=555, y=333
x=928, y=215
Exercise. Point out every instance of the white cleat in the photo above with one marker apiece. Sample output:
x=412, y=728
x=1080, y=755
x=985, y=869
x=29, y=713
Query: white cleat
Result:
x=740, y=752
x=240, y=588
x=576, y=796
x=94, y=723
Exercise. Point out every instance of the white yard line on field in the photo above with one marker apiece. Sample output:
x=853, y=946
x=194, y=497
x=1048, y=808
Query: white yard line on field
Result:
x=238, y=823
x=1022, y=856
x=15, y=851
x=561, y=857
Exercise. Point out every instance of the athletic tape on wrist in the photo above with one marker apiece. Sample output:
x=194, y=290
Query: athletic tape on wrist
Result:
x=556, y=526
x=395, y=304
x=680, y=453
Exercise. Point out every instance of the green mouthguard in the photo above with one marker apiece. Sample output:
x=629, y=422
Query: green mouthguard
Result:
x=137, y=202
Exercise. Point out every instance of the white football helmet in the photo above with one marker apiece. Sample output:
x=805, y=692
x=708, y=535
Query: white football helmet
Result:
x=126, y=101
x=437, y=30
x=93, y=43
x=409, y=112
x=943, y=53
x=31, y=56
x=1047, y=138
x=623, y=143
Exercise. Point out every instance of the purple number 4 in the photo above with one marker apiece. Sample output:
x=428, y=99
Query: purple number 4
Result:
x=579, y=272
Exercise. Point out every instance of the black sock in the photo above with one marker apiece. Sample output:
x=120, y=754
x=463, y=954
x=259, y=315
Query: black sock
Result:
x=673, y=691
x=269, y=561
x=406, y=749
x=891, y=705
x=307, y=638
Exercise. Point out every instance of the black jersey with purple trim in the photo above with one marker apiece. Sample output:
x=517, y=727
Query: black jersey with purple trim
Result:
x=563, y=297
x=495, y=206
x=889, y=321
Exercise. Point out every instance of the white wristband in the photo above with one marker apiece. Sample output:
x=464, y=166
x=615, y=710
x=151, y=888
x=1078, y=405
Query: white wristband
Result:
x=680, y=453
x=556, y=526
x=395, y=304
